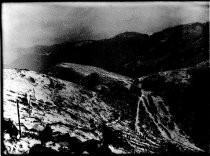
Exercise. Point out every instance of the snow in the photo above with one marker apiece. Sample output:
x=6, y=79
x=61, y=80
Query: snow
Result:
x=116, y=151
x=86, y=70
x=72, y=113
x=17, y=86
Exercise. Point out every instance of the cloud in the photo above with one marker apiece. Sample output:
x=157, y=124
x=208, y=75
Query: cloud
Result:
x=29, y=24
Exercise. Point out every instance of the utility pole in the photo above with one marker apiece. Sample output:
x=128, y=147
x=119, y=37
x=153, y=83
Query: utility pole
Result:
x=18, y=118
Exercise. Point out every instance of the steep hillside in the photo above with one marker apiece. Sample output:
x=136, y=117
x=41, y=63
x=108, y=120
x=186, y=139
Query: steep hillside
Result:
x=66, y=107
x=186, y=93
x=67, y=117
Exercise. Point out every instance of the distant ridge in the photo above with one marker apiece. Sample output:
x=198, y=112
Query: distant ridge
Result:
x=129, y=53
x=129, y=35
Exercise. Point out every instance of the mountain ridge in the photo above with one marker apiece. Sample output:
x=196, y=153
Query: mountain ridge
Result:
x=129, y=56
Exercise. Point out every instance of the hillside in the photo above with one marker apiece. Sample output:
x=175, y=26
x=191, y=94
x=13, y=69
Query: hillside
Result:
x=186, y=92
x=78, y=117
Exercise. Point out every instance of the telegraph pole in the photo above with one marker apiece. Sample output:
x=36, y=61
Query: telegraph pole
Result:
x=18, y=118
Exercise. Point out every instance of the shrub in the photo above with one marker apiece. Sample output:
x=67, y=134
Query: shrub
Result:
x=51, y=85
x=32, y=80
x=91, y=146
x=91, y=81
x=9, y=127
x=22, y=75
x=75, y=145
x=46, y=134
x=59, y=86
x=39, y=149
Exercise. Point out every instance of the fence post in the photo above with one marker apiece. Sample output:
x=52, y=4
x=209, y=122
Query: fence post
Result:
x=18, y=118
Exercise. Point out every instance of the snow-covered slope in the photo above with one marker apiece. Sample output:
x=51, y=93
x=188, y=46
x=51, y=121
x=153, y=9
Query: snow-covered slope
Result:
x=74, y=112
x=184, y=92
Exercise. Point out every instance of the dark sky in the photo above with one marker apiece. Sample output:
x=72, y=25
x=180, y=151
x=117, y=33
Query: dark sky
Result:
x=28, y=24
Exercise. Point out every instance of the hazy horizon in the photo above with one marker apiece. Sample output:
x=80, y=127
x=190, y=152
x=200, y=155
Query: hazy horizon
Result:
x=27, y=24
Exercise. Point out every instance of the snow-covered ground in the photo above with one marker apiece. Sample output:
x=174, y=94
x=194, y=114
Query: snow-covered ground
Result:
x=68, y=108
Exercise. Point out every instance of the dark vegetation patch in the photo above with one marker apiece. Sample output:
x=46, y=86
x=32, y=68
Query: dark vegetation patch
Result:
x=31, y=79
x=91, y=81
x=40, y=101
x=12, y=91
x=46, y=134
x=40, y=108
x=55, y=84
x=9, y=127
x=59, y=85
x=34, y=104
x=48, y=103
x=38, y=119
x=40, y=149
x=91, y=146
x=22, y=75
x=24, y=69
x=12, y=100
x=25, y=109
x=23, y=100
x=30, y=134
x=51, y=85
